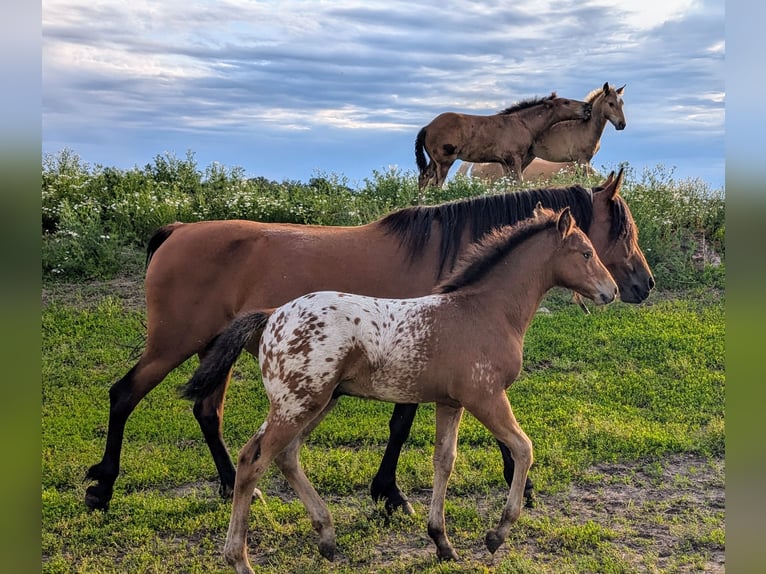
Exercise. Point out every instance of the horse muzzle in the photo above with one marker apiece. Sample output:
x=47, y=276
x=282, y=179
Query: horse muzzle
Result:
x=586, y=111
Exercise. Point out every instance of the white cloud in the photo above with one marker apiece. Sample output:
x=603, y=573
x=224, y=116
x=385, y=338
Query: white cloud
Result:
x=383, y=68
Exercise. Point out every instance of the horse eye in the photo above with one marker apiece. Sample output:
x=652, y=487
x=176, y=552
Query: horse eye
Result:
x=587, y=254
x=611, y=104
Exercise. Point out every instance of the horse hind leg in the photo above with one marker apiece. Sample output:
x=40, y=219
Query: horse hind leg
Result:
x=209, y=415
x=276, y=434
x=253, y=461
x=384, y=483
x=289, y=464
x=124, y=395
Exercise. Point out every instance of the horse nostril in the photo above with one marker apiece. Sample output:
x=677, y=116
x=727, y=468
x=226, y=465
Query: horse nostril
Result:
x=651, y=283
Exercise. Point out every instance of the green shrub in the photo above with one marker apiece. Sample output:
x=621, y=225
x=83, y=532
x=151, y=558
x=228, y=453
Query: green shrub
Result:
x=90, y=213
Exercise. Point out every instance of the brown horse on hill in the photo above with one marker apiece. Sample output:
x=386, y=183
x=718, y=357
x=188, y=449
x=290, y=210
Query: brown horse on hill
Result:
x=506, y=137
x=567, y=143
x=460, y=348
x=201, y=275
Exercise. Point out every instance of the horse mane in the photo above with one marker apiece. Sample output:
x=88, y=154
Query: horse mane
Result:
x=482, y=256
x=622, y=222
x=524, y=104
x=479, y=215
x=595, y=93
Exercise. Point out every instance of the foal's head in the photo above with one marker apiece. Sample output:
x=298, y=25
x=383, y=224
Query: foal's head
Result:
x=575, y=263
x=609, y=102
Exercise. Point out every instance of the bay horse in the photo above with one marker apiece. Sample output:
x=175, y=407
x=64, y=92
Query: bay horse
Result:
x=201, y=275
x=567, y=143
x=506, y=137
x=460, y=347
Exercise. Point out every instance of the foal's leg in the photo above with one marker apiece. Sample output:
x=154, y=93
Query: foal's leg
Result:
x=445, y=451
x=384, y=483
x=529, y=488
x=254, y=459
x=442, y=170
x=124, y=395
x=289, y=463
x=498, y=417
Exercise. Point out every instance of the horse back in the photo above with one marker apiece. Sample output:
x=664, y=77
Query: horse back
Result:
x=221, y=268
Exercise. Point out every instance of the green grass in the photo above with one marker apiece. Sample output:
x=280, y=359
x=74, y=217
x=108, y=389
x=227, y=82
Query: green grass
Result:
x=625, y=385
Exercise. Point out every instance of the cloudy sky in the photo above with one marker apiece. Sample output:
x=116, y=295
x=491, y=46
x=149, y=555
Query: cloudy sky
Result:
x=287, y=89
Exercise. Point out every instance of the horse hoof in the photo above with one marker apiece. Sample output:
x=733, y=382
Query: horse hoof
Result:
x=447, y=554
x=493, y=541
x=327, y=549
x=403, y=505
x=530, y=499
x=97, y=497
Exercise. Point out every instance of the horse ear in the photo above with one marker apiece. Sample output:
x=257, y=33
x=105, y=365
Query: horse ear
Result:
x=609, y=180
x=565, y=223
x=606, y=87
x=538, y=210
x=615, y=184
x=621, y=90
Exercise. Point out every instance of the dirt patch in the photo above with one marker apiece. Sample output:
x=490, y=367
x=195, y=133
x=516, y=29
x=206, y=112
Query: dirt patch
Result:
x=129, y=290
x=665, y=516
x=658, y=516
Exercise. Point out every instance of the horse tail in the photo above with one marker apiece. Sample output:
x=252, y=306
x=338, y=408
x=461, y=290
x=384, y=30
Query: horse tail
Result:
x=158, y=238
x=219, y=357
x=420, y=157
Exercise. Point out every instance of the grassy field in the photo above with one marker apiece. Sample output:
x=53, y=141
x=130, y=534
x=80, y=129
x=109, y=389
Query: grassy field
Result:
x=625, y=408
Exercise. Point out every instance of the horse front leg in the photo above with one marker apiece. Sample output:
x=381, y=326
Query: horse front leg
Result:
x=209, y=415
x=384, y=483
x=499, y=419
x=508, y=467
x=445, y=452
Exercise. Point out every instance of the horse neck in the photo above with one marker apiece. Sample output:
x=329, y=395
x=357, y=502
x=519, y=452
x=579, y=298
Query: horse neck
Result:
x=516, y=285
x=597, y=121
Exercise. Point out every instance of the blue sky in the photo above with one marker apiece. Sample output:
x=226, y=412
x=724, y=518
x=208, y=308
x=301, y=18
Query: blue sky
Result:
x=287, y=89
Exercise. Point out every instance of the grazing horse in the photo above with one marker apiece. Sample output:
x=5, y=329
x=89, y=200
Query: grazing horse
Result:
x=506, y=137
x=460, y=348
x=201, y=275
x=567, y=143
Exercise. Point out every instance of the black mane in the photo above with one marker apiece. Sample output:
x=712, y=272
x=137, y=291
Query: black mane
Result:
x=524, y=104
x=480, y=215
x=489, y=251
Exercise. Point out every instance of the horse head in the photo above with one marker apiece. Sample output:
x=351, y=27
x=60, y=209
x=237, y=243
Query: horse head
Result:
x=612, y=106
x=615, y=236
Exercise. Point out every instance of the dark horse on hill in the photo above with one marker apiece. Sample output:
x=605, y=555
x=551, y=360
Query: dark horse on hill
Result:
x=506, y=138
x=565, y=144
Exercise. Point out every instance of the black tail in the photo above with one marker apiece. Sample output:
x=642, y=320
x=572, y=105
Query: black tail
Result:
x=220, y=356
x=157, y=239
x=420, y=157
